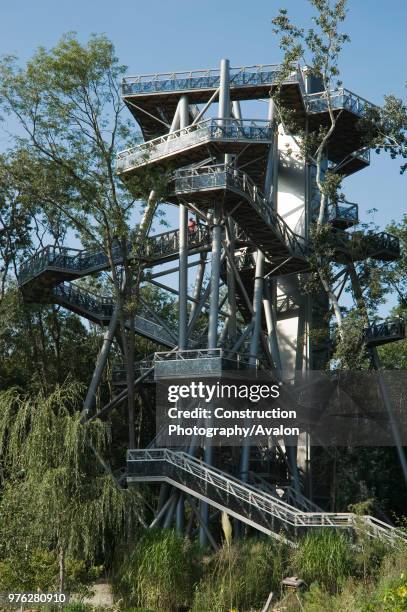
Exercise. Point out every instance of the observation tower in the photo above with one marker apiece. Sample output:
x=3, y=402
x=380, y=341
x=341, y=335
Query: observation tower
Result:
x=246, y=200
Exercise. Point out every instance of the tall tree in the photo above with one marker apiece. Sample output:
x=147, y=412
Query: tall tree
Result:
x=319, y=47
x=62, y=500
x=68, y=105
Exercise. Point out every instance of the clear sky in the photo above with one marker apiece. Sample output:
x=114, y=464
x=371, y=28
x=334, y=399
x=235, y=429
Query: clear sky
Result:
x=166, y=35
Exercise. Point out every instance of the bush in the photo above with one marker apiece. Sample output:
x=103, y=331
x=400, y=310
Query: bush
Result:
x=29, y=571
x=324, y=557
x=159, y=573
x=241, y=576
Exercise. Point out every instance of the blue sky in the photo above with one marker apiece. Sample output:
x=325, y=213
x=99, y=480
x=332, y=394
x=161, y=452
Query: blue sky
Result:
x=162, y=35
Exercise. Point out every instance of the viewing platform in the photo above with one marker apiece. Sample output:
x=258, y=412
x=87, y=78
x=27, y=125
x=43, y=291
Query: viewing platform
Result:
x=193, y=143
x=348, y=108
x=354, y=162
x=358, y=246
x=199, y=362
x=153, y=99
x=343, y=214
x=156, y=95
x=383, y=332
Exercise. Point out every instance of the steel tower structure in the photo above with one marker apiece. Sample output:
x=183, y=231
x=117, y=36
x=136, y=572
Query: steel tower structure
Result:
x=253, y=198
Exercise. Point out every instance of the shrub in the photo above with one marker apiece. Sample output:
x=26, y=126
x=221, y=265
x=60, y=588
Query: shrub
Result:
x=241, y=576
x=324, y=557
x=159, y=573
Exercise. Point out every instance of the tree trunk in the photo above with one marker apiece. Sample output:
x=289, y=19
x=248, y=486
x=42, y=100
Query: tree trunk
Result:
x=61, y=562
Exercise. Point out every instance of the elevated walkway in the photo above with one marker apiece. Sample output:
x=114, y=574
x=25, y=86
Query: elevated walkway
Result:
x=248, y=138
x=383, y=332
x=99, y=310
x=343, y=214
x=53, y=265
x=156, y=95
x=254, y=507
x=357, y=246
x=348, y=108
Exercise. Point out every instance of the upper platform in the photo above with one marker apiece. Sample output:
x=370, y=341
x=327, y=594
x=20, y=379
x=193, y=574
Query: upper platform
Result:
x=157, y=95
x=248, y=138
x=153, y=99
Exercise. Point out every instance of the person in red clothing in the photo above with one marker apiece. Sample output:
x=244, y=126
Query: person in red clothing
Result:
x=192, y=225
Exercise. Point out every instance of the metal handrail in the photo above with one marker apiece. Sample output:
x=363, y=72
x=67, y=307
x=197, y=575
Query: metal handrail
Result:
x=76, y=260
x=201, y=353
x=260, y=500
x=198, y=72
x=318, y=102
x=343, y=210
x=391, y=327
x=212, y=128
x=240, y=181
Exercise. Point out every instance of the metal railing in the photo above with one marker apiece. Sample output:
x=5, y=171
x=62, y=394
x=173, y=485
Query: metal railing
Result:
x=237, y=360
x=344, y=211
x=244, y=76
x=340, y=99
x=83, y=262
x=383, y=241
x=167, y=243
x=221, y=175
x=99, y=307
x=367, y=244
x=70, y=294
x=210, y=129
x=384, y=331
x=252, y=501
x=140, y=367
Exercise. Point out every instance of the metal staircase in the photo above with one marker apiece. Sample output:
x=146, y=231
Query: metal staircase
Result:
x=258, y=509
x=99, y=310
x=53, y=264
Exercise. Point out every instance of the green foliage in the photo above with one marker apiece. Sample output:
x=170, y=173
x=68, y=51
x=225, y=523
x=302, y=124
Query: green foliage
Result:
x=41, y=346
x=241, y=576
x=350, y=350
x=384, y=128
x=325, y=557
x=36, y=569
x=159, y=573
x=57, y=497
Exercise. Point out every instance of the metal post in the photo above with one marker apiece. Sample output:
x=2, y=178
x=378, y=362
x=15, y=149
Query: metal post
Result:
x=257, y=301
x=198, y=287
x=254, y=347
x=101, y=362
x=183, y=288
x=224, y=90
x=223, y=114
x=215, y=278
x=231, y=284
x=271, y=323
x=183, y=249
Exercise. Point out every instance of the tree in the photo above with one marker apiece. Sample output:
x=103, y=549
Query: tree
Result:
x=319, y=47
x=61, y=499
x=68, y=105
x=384, y=128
